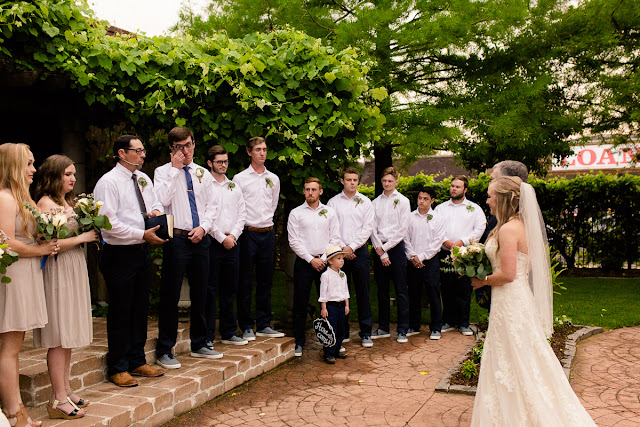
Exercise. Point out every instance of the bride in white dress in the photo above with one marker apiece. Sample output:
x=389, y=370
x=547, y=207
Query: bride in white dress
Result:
x=521, y=380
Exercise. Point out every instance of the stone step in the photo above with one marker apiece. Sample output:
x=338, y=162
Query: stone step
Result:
x=157, y=400
x=88, y=364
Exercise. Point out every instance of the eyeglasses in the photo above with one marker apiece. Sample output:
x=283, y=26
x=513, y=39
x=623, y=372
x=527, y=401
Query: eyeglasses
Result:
x=179, y=147
x=137, y=150
x=221, y=162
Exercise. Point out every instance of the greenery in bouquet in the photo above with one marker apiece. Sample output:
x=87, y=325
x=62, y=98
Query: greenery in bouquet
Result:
x=471, y=260
x=51, y=225
x=88, y=214
x=7, y=257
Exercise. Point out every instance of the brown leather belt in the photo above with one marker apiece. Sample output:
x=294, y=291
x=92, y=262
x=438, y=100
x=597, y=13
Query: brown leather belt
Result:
x=180, y=232
x=258, y=229
x=317, y=256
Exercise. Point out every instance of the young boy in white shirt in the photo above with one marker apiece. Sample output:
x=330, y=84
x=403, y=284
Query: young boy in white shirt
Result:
x=334, y=300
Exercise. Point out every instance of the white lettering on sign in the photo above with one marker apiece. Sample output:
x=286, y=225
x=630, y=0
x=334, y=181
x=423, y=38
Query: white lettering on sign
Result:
x=588, y=157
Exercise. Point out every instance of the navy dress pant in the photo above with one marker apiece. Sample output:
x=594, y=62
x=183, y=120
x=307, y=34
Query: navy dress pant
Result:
x=303, y=277
x=336, y=319
x=456, y=296
x=223, y=279
x=358, y=271
x=397, y=272
x=427, y=278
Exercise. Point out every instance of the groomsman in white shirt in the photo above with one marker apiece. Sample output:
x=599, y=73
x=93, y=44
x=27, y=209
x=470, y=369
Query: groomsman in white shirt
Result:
x=261, y=190
x=356, y=216
x=464, y=221
x=392, y=211
x=224, y=252
x=422, y=245
x=312, y=228
x=185, y=190
x=128, y=197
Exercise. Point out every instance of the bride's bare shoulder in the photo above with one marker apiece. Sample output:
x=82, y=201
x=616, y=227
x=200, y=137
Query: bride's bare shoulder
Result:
x=513, y=229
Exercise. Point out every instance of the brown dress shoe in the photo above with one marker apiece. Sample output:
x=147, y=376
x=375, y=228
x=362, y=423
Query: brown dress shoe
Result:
x=123, y=379
x=147, y=371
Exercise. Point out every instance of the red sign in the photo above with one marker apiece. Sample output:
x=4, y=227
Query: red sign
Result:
x=603, y=156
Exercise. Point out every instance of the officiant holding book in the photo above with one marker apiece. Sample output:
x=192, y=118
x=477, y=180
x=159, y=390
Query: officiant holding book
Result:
x=186, y=191
x=129, y=198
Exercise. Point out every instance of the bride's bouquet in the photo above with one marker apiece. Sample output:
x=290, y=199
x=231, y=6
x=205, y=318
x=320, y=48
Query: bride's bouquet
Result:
x=88, y=213
x=7, y=257
x=471, y=260
x=51, y=225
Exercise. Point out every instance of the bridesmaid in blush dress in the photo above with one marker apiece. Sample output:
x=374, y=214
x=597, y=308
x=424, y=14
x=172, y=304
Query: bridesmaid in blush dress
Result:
x=22, y=301
x=66, y=285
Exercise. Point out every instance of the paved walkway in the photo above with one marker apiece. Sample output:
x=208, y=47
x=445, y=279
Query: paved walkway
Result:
x=393, y=384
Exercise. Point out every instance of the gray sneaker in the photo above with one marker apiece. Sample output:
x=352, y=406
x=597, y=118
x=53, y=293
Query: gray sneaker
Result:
x=167, y=361
x=270, y=333
x=235, y=340
x=435, y=335
x=446, y=328
x=346, y=339
x=379, y=333
x=207, y=353
x=249, y=335
x=366, y=341
x=297, y=351
x=411, y=332
x=342, y=350
x=209, y=344
x=402, y=338
x=465, y=330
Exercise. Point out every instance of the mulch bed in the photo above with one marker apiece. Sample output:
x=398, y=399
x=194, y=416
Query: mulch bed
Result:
x=558, y=343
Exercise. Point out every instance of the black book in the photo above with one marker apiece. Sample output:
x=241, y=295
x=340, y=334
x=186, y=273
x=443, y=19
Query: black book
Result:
x=164, y=221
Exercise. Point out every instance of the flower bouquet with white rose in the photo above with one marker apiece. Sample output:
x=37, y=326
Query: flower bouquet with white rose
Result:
x=51, y=225
x=87, y=211
x=7, y=257
x=471, y=260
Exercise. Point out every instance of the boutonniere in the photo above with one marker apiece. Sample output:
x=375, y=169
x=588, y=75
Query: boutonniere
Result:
x=342, y=274
x=323, y=213
x=143, y=182
x=269, y=182
x=429, y=217
x=358, y=200
x=471, y=208
x=395, y=203
x=200, y=174
x=231, y=186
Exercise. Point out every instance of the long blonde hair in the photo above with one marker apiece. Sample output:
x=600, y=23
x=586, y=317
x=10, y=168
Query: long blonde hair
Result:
x=507, y=194
x=14, y=158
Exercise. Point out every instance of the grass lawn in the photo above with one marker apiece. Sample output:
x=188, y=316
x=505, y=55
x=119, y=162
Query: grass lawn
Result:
x=607, y=302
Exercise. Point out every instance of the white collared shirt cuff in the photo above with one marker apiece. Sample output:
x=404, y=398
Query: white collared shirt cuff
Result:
x=384, y=255
x=220, y=236
x=308, y=258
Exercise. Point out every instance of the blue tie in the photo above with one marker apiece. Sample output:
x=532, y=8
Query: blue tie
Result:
x=192, y=198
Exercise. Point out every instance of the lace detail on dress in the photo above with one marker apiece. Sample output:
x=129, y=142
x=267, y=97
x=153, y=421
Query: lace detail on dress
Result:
x=521, y=381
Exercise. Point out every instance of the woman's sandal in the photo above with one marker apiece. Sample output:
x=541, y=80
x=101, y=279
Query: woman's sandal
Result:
x=30, y=422
x=17, y=420
x=81, y=403
x=58, y=414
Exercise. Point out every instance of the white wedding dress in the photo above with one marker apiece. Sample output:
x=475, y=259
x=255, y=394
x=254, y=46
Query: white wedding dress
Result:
x=521, y=380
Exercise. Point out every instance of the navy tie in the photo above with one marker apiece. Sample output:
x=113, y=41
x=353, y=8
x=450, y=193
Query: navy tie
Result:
x=192, y=198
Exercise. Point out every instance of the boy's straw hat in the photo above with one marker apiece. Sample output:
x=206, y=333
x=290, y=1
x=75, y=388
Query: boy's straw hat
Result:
x=333, y=251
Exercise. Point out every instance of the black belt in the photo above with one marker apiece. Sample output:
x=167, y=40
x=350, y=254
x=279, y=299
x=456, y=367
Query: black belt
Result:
x=137, y=246
x=335, y=303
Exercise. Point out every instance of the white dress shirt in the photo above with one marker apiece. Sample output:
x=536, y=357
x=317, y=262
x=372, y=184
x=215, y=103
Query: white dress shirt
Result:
x=231, y=211
x=333, y=286
x=425, y=236
x=310, y=233
x=260, y=197
x=171, y=188
x=391, y=221
x=463, y=221
x=121, y=206
x=356, y=219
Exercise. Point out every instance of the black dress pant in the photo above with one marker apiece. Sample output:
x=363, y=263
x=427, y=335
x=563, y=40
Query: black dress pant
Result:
x=397, y=272
x=126, y=271
x=358, y=271
x=223, y=279
x=180, y=257
x=257, y=250
x=303, y=276
x=456, y=296
x=427, y=278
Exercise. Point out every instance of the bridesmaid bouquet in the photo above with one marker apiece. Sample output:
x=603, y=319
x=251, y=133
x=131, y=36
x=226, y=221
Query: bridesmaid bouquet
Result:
x=7, y=257
x=471, y=260
x=51, y=225
x=88, y=213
